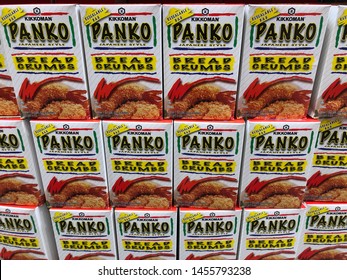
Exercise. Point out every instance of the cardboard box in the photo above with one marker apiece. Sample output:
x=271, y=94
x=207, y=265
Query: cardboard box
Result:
x=202, y=45
x=26, y=233
x=44, y=56
x=72, y=163
x=8, y=101
x=281, y=51
x=124, y=60
x=277, y=161
x=207, y=160
x=139, y=163
x=82, y=234
x=20, y=179
x=328, y=99
x=328, y=175
x=146, y=234
x=324, y=234
x=270, y=234
x=209, y=235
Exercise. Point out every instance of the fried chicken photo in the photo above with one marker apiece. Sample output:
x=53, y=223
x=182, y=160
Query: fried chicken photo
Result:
x=128, y=99
x=212, y=256
x=142, y=192
x=8, y=103
x=77, y=192
x=91, y=256
x=271, y=256
x=206, y=193
x=329, y=187
x=157, y=256
x=328, y=253
x=21, y=255
x=15, y=191
x=274, y=193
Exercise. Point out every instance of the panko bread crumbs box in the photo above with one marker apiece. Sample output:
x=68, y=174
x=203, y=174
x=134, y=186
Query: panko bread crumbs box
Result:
x=44, y=53
x=84, y=234
x=124, y=60
x=146, y=235
x=26, y=233
x=72, y=164
x=139, y=163
x=207, y=163
x=202, y=45
x=324, y=233
x=8, y=101
x=331, y=85
x=277, y=161
x=281, y=51
x=20, y=179
x=270, y=234
x=209, y=234
x=328, y=176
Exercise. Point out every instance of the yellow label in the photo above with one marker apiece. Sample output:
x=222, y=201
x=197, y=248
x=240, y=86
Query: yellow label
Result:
x=342, y=20
x=281, y=63
x=263, y=244
x=124, y=217
x=215, y=64
x=315, y=211
x=139, y=245
x=14, y=164
x=209, y=166
x=72, y=166
x=329, y=124
x=332, y=238
x=185, y=129
x=209, y=245
x=278, y=166
x=330, y=160
x=61, y=216
x=85, y=245
x=254, y=216
x=339, y=63
x=141, y=166
x=94, y=15
x=2, y=62
x=177, y=15
x=10, y=15
x=19, y=241
x=260, y=130
x=41, y=129
x=113, y=129
x=261, y=15
x=125, y=63
x=190, y=217
x=45, y=63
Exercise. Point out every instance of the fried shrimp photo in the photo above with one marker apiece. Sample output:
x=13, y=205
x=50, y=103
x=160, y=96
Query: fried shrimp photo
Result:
x=213, y=256
x=21, y=255
x=271, y=256
x=8, y=102
x=338, y=252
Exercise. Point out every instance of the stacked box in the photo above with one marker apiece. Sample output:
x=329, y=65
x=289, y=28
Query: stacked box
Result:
x=270, y=234
x=328, y=176
x=20, y=179
x=207, y=158
x=72, y=164
x=139, y=163
x=202, y=45
x=330, y=88
x=209, y=235
x=26, y=233
x=44, y=55
x=281, y=51
x=146, y=235
x=8, y=101
x=277, y=161
x=82, y=234
x=324, y=234
x=124, y=60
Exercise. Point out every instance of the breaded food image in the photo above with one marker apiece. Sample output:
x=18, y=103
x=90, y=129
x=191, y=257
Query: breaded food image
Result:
x=17, y=192
x=211, y=256
x=137, y=110
x=271, y=256
x=330, y=187
x=284, y=110
x=20, y=255
x=8, y=102
x=77, y=193
x=208, y=193
x=91, y=256
x=210, y=111
x=338, y=252
x=157, y=256
x=142, y=192
x=63, y=110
